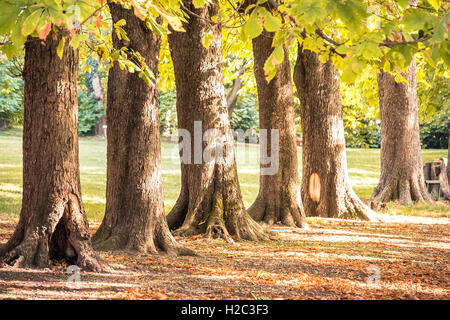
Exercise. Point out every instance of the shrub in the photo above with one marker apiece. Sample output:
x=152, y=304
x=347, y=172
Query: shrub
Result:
x=89, y=111
x=11, y=93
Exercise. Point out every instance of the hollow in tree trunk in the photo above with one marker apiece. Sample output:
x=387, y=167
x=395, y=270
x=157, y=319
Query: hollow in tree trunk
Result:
x=401, y=157
x=279, y=197
x=326, y=189
x=134, y=218
x=52, y=223
x=210, y=200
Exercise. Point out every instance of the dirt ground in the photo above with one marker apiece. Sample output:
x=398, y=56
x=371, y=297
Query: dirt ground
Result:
x=404, y=258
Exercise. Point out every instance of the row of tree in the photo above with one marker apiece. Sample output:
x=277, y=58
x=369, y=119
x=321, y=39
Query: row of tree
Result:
x=53, y=222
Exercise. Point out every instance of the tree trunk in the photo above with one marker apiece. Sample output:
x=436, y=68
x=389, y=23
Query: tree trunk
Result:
x=95, y=87
x=279, y=197
x=233, y=95
x=134, y=217
x=210, y=200
x=326, y=189
x=52, y=223
x=100, y=127
x=448, y=157
x=4, y=124
x=401, y=157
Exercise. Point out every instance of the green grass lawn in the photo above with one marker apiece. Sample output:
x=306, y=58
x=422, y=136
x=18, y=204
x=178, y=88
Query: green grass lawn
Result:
x=363, y=166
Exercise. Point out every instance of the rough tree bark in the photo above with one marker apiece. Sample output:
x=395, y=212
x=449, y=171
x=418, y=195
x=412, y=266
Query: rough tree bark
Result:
x=326, y=190
x=279, y=198
x=52, y=223
x=210, y=201
x=134, y=218
x=401, y=157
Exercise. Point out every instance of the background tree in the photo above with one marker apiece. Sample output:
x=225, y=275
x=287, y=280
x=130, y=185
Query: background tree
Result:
x=210, y=200
x=326, y=189
x=91, y=108
x=134, y=217
x=97, y=91
x=401, y=159
x=279, y=197
x=236, y=86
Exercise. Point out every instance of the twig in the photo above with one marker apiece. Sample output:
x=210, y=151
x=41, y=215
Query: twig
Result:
x=391, y=44
x=93, y=13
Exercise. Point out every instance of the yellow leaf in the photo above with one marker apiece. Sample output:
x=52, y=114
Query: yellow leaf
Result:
x=171, y=19
x=139, y=11
x=60, y=48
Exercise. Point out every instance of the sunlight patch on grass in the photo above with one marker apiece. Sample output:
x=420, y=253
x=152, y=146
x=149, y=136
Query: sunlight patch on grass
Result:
x=6, y=187
x=437, y=209
x=363, y=167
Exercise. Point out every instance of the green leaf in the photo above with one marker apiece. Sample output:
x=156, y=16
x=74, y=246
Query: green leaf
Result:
x=271, y=23
x=206, y=40
x=277, y=55
x=8, y=18
x=403, y=3
x=120, y=23
x=10, y=50
x=199, y=3
x=270, y=70
x=77, y=39
x=60, y=48
x=312, y=44
x=31, y=22
x=417, y=20
x=253, y=28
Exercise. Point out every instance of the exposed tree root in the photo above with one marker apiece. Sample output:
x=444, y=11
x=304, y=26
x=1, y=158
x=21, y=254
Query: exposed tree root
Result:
x=159, y=241
x=238, y=224
x=356, y=209
x=64, y=235
x=406, y=190
x=288, y=213
x=345, y=205
x=217, y=213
